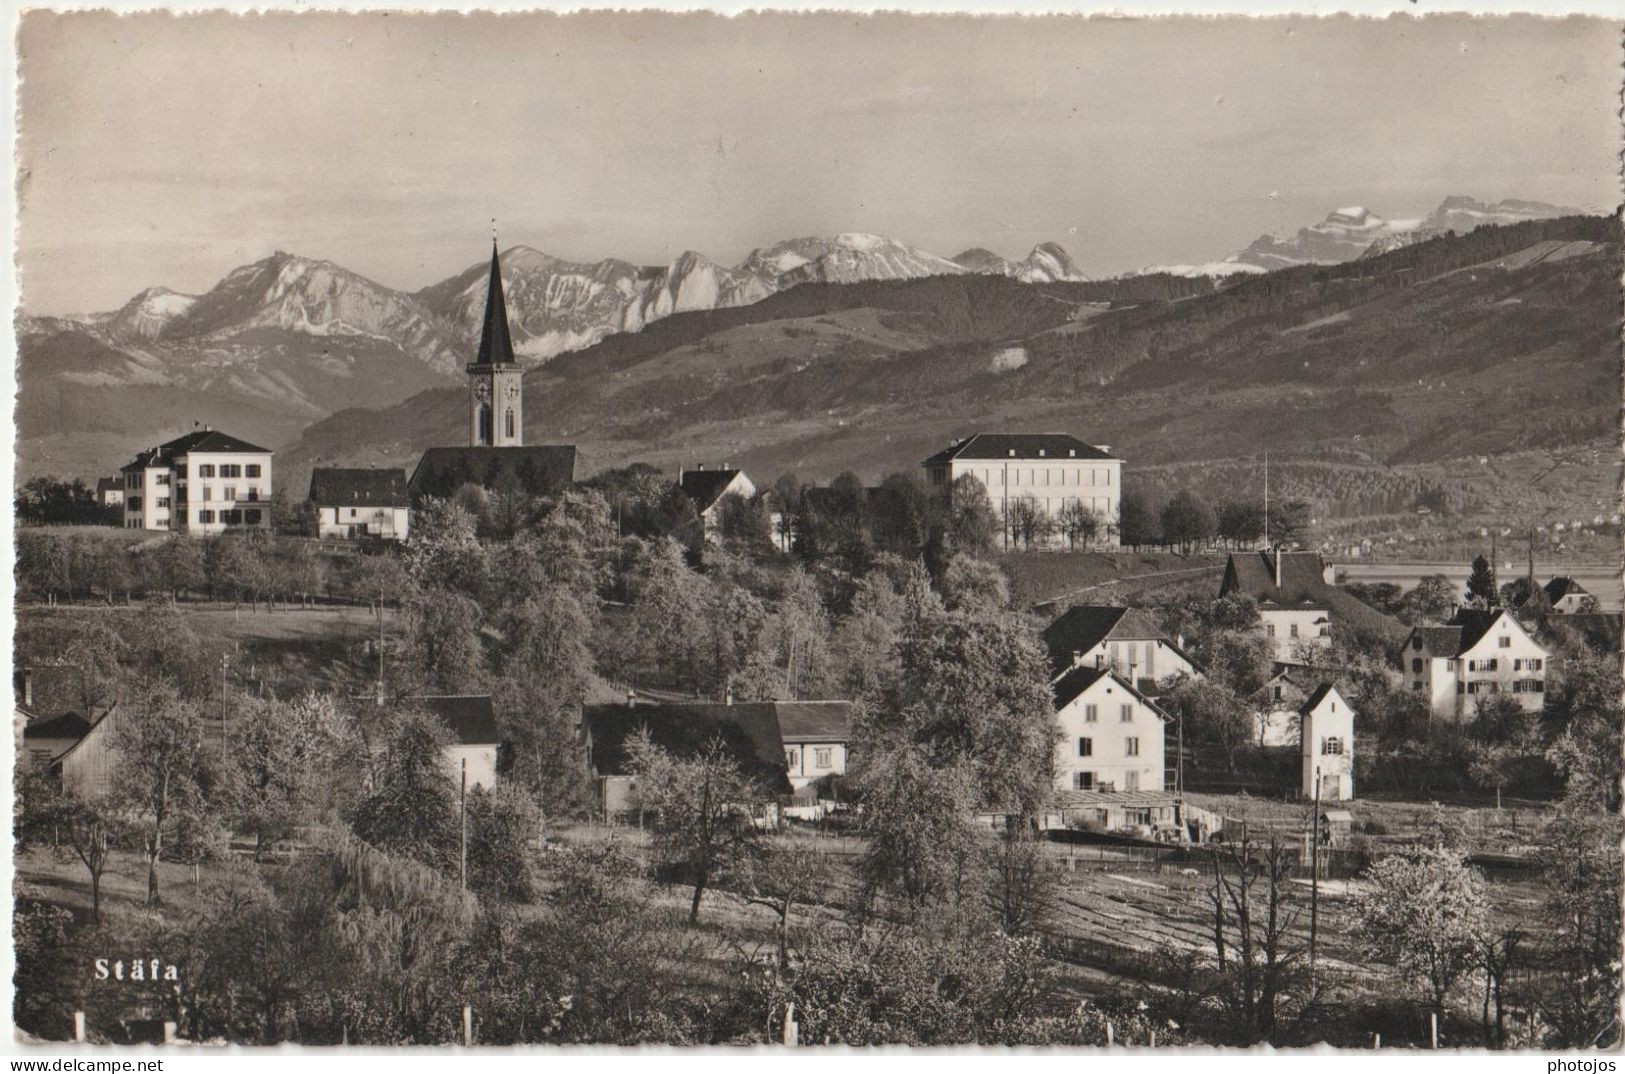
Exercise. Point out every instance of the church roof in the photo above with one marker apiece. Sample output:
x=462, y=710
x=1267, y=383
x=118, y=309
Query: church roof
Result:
x=542, y=470
x=496, y=345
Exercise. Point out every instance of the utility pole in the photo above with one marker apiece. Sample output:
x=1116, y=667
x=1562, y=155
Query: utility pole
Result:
x=1266, y=498
x=462, y=811
x=225, y=661
x=1314, y=879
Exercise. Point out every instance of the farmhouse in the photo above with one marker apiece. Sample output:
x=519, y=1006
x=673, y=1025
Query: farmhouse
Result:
x=1048, y=470
x=1327, y=745
x=45, y=740
x=1111, y=734
x=1127, y=640
x=707, y=487
x=1479, y=653
x=496, y=458
x=748, y=732
x=203, y=482
x=360, y=502
x=1297, y=604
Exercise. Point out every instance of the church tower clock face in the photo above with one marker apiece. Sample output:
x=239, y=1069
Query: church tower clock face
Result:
x=482, y=390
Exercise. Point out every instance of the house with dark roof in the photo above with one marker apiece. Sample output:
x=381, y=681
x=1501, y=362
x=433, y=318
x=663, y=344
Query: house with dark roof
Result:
x=1298, y=605
x=1478, y=654
x=110, y=491
x=1112, y=735
x=749, y=732
x=45, y=740
x=476, y=742
x=203, y=482
x=1568, y=596
x=707, y=486
x=360, y=502
x=814, y=735
x=1276, y=721
x=1042, y=471
x=1128, y=640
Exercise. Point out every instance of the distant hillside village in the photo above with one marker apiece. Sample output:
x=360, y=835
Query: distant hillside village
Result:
x=507, y=648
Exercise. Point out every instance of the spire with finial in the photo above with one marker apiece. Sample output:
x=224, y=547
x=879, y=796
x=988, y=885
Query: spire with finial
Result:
x=496, y=345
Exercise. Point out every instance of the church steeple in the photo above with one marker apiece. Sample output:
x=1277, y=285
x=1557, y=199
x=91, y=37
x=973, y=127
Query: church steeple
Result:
x=496, y=404
x=496, y=345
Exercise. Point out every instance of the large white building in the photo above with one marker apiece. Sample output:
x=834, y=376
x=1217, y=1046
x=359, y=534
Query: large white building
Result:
x=1048, y=469
x=203, y=482
x=1478, y=654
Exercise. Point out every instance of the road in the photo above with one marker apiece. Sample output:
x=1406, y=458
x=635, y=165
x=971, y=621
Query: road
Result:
x=1602, y=582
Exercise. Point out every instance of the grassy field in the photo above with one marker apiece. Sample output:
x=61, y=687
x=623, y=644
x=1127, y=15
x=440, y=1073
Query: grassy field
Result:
x=1120, y=577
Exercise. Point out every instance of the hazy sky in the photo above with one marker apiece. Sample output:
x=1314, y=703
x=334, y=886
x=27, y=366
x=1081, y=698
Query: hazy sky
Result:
x=164, y=150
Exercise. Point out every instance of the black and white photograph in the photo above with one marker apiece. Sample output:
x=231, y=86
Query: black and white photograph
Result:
x=811, y=530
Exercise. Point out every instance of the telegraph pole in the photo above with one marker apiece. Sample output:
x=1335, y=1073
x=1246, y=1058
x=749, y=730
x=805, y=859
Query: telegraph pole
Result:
x=225, y=661
x=1314, y=879
x=462, y=810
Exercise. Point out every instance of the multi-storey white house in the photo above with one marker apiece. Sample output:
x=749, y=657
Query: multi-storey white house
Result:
x=203, y=482
x=1127, y=640
x=360, y=503
x=1111, y=734
x=1478, y=654
x=1049, y=469
x=1327, y=745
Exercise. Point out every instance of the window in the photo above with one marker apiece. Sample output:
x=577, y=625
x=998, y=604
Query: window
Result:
x=1534, y=664
x=229, y=492
x=508, y=422
x=1536, y=686
x=1293, y=630
x=1131, y=747
x=792, y=759
x=163, y=479
x=1416, y=665
x=205, y=517
x=821, y=758
x=205, y=469
x=1461, y=688
x=132, y=481
x=232, y=518
x=253, y=470
x=1083, y=781
x=251, y=517
x=1325, y=632
x=1504, y=642
x=230, y=470
x=1131, y=782
x=1091, y=713
x=1331, y=746
x=162, y=501
x=1269, y=630
x=1127, y=714
x=1277, y=693
x=1086, y=747
x=133, y=503
x=1417, y=685
x=208, y=493
x=253, y=494
x=1416, y=644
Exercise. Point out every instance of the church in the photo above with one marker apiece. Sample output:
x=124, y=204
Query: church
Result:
x=496, y=457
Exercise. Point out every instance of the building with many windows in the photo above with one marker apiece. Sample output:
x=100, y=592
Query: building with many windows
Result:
x=1111, y=734
x=1478, y=654
x=360, y=502
x=203, y=482
x=1046, y=471
x=1127, y=640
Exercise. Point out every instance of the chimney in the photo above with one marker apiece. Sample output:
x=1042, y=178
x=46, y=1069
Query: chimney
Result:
x=1277, y=568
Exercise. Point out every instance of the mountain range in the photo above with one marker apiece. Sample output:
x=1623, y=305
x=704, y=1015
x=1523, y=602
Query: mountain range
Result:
x=287, y=341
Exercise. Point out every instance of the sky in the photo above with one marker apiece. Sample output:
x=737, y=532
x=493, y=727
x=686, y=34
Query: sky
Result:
x=163, y=150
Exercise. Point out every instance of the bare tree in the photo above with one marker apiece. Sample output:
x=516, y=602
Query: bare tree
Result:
x=1259, y=967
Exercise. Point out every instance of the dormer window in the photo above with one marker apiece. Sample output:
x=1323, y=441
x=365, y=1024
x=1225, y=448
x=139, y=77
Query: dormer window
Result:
x=1072, y=453
x=1041, y=453
x=1012, y=453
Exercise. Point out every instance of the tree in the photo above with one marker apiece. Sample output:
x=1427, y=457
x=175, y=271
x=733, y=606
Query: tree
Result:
x=159, y=775
x=1241, y=522
x=1028, y=522
x=1289, y=524
x=1188, y=520
x=1481, y=590
x=1137, y=522
x=443, y=639
x=502, y=825
x=1580, y=850
x=702, y=808
x=411, y=809
x=546, y=670
x=1259, y=967
x=745, y=526
x=1424, y=912
x=283, y=757
x=975, y=586
x=1433, y=599
x=973, y=528
x=1211, y=712
x=1078, y=524
x=89, y=829
x=917, y=819
x=1022, y=889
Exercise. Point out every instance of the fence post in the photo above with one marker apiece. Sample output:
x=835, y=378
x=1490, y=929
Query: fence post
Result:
x=1153, y=1038
x=1109, y=1034
x=792, y=1029
x=1433, y=1020
x=1376, y=1040
x=169, y=1032
x=468, y=1025
x=79, y=1026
